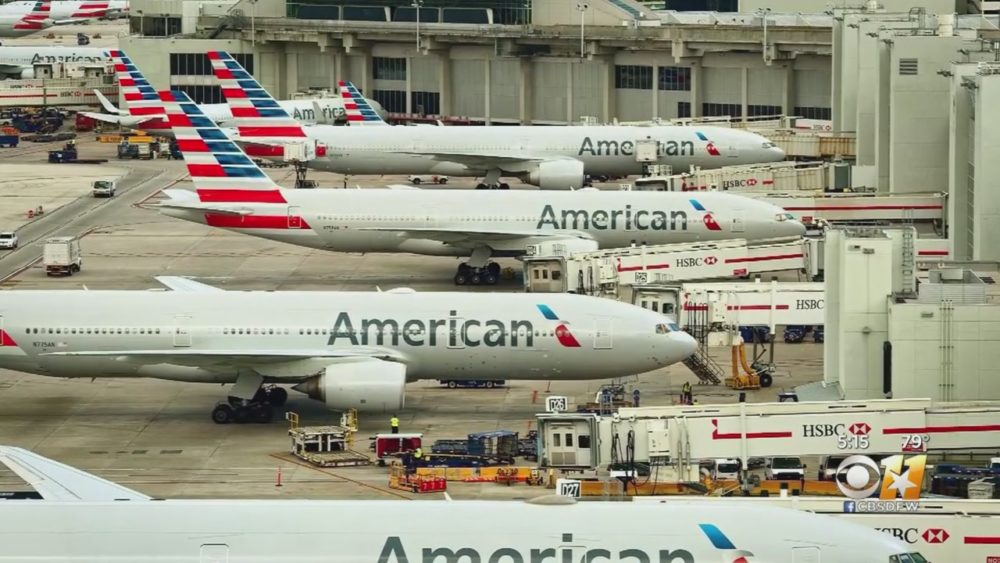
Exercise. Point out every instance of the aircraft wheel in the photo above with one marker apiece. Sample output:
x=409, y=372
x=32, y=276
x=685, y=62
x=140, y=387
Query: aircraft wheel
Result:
x=476, y=278
x=461, y=278
x=766, y=380
x=242, y=415
x=504, y=186
x=452, y=385
x=222, y=414
x=493, y=268
x=489, y=278
x=481, y=186
x=277, y=396
x=263, y=414
x=489, y=385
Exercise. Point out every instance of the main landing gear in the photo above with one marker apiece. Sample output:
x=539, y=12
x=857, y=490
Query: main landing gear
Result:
x=492, y=181
x=259, y=408
x=500, y=186
x=469, y=275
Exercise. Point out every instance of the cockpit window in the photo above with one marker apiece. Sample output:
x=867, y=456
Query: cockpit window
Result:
x=784, y=216
x=673, y=327
x=667, y=328
x=769, y=145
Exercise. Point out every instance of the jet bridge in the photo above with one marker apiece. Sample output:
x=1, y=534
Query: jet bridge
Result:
x=676, y=437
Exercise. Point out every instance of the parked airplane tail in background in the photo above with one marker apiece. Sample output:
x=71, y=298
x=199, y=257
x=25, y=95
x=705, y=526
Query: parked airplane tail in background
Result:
x=255, y=112
x=358, y=111
x=142, y=103
x=38, y=18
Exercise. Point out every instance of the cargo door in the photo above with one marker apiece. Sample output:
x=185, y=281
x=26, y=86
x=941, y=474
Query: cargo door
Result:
x=294, y=217
x=182, y=331
x=808, y=554
x=603, y=333
x=214, y=553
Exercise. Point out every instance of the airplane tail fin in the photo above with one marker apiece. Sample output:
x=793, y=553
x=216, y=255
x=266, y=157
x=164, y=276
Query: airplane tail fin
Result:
x=92, y=9
x=38, y=18
x=256, y=113
x=220, y=170
x=140, y=98
x=357, y=108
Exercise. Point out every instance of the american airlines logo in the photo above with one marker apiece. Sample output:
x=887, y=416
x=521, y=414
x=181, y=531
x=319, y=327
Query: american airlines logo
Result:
x=602, y=147
x=393, y=551
x=50, y=59
x=612, y=219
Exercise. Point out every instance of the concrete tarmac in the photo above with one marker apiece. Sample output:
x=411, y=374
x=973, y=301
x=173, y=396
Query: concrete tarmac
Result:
x=157, y=437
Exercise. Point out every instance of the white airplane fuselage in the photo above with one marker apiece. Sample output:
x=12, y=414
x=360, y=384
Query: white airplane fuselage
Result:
x=395, y=531
x=12, y=24
x=64, y=10
x=385, y=220
x=609, y=150
x=19, y=61
x=435, y=335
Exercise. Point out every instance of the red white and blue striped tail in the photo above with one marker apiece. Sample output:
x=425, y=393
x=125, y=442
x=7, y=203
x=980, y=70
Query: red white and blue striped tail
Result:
x=36, y=18
x=256, y=114
x=357, y=108
x=220, y=170
x=91, y=9
x=140, y=98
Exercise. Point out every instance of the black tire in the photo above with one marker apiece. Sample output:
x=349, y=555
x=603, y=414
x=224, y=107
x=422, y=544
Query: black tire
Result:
x=277, y=397
x=461, y=278
x=263, y=414
x=476, y=279
x=490, y=385
x=443, y=181
x=490, y=279
x=504, y=186
x=481, y=186
x=452, y=385
x=222, y=414
x=493, y=268
x=766, y=380
x=415, y=181
x=241, y=415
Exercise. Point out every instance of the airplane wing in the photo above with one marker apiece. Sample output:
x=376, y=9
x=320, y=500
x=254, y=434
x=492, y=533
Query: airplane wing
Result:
x=57, y=481
x=8, y=69
x=507, y=162
x=187, y=285
x=186, y=200
x=293, y=364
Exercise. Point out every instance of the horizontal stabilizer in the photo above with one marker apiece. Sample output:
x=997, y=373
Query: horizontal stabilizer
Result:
x=58, y=481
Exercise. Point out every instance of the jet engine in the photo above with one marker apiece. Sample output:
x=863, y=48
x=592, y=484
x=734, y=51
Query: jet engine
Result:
x=27, y=73
x=562, y=174
x=367, y=384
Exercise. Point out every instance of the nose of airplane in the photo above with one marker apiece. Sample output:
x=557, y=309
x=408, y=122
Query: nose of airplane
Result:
x=794, y=228
x=682, y=345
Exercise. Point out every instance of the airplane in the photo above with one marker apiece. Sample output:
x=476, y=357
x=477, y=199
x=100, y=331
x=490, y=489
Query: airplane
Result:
x=24, y=18
x=232, y=192
x=348, y=349
x=20, y=61
x=552, y=158
x=75, y=11
x=109, y=522
x=144, y=111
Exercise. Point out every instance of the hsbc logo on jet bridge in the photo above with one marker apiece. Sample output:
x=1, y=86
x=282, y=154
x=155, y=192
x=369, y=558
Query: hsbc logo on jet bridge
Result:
x=912, y=535
x=493, y=333
x=693, y=262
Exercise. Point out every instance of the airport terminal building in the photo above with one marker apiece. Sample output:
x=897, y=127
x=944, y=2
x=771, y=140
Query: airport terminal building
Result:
x=502, y=61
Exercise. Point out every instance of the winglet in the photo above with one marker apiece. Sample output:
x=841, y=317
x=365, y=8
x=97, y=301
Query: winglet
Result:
x=107, y=105
x=220, y=170
x=357, y=108
x=57, y=481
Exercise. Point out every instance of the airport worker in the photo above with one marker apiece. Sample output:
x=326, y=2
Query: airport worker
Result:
x=394, y=424
x=686, y=392
x=635, y=398
x=418, y=454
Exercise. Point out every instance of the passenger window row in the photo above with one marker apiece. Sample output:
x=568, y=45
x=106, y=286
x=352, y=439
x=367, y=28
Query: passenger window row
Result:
x=93, y=331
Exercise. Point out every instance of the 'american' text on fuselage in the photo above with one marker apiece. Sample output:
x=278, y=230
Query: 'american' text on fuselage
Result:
x=627, y=148
x=613, y=219
x=417, y=332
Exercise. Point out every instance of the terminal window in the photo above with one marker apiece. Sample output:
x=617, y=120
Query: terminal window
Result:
x=392, y=100
x=634, y=77
x=757, y=110
x=825, y=114
x=675, y=78
x=425, y=103
x=197, y=64
x=202, y=94
x=683, y=109
x=384, y=68
x=720, y=110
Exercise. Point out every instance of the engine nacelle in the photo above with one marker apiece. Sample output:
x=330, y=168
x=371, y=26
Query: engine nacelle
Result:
x=563, y=174
x=27, y=73
x=368, y=385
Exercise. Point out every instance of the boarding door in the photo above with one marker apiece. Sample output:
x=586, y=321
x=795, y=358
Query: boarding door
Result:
x=182, y=331
x=560, y=441
x=603, y=333
x=739, y=218
x=294, y=217
x=214, y=553
x=808, y=554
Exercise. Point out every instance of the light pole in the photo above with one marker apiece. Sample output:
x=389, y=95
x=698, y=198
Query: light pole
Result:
x=140, y=21
x=253, y=31
x=582, y=7
x=763, y=12
x=417, y=4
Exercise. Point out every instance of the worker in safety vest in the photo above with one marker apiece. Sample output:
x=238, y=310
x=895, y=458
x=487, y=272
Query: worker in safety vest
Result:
x=418, y=454
x=686, y=393
x=394, y=424
x=635, y=398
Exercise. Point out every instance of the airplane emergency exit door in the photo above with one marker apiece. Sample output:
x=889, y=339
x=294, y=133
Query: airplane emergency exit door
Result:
x=182, y=331
x=603, y=334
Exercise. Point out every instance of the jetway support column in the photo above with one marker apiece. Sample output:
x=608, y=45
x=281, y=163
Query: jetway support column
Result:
x=608, y=87
x=744, y=91
x=788, y=94
x=444, y=82
x=697, y=88
x=569, y=90
x=655, y=105
x=291, y=82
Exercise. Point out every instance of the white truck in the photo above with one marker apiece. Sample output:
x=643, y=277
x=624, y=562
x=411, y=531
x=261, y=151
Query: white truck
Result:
x=105, y=188
x=8, y=240
x=61, y=256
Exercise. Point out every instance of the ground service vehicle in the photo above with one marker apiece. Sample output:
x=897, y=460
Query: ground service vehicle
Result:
x=61, y=256
x=105, y=188
x=488, y=383
x=784, y=468
x=8, y=240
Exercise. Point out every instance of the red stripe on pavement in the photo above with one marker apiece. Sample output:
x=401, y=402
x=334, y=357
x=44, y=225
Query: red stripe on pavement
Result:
x=255, y=221
x=943, y=429
x=763, y=258
x=223, y=195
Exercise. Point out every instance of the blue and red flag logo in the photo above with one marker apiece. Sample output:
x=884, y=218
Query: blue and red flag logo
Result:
x=6, y=340
x=710, y=222
x=710, y=147
x=723, y=543
x=563, y=334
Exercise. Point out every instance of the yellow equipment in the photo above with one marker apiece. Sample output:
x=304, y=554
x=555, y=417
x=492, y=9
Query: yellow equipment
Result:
x=749, y=379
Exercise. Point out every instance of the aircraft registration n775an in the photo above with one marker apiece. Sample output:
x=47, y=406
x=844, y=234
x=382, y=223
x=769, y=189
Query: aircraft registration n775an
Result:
x=349, y=349
x=234, y=193
x=554, y=158
x=109, y=522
